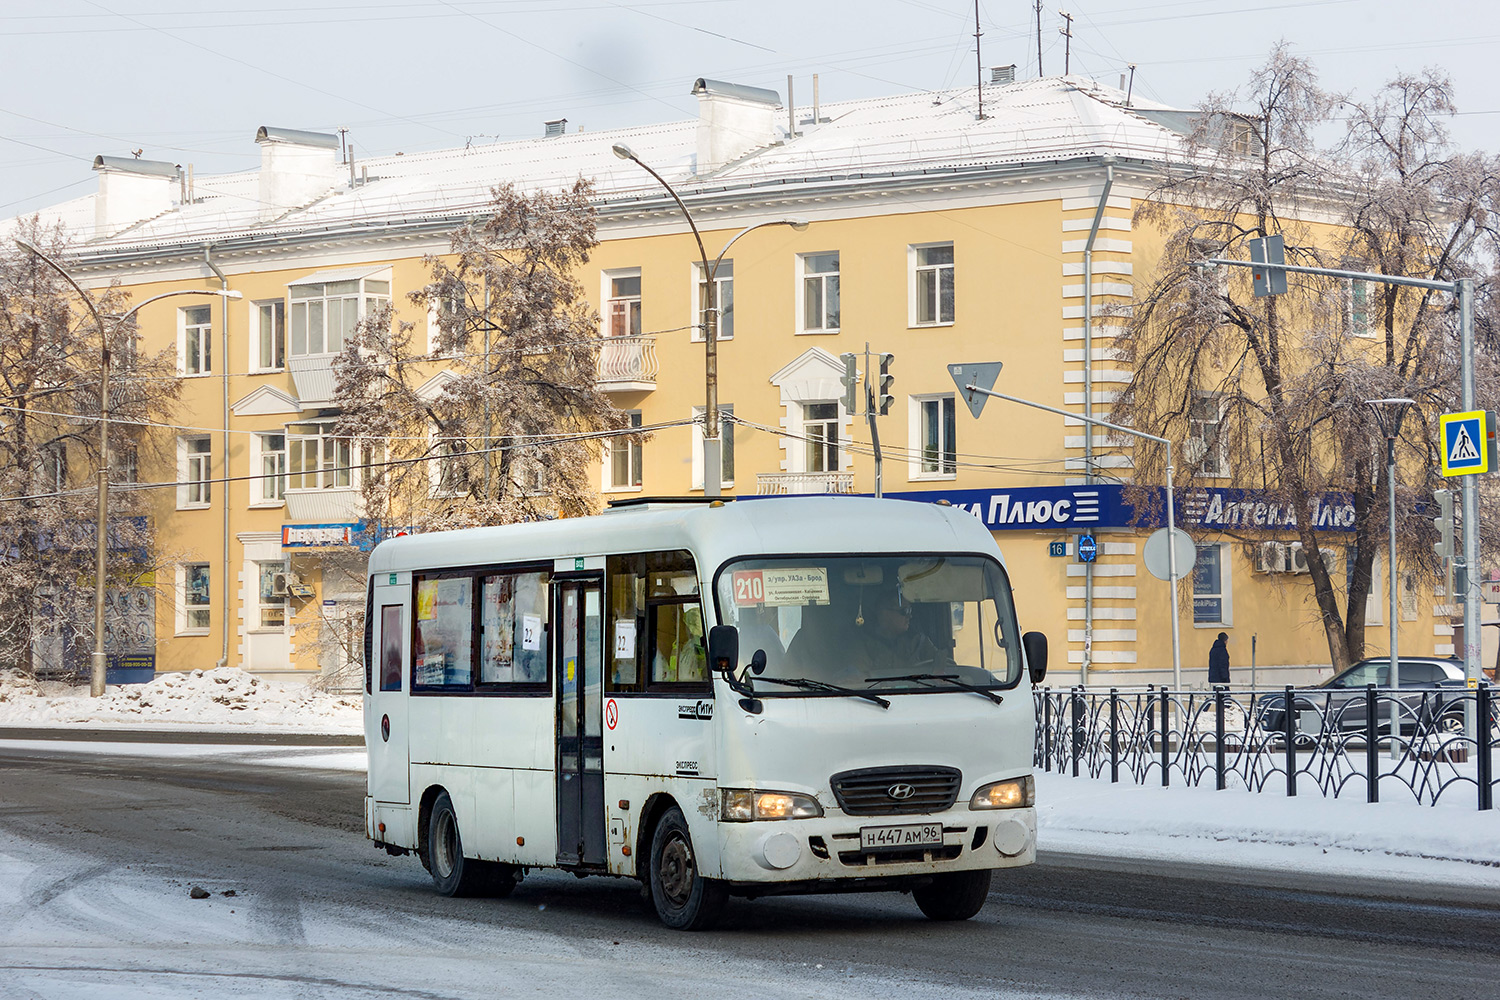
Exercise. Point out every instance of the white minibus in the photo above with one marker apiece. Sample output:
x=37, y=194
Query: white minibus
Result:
x=781, y=695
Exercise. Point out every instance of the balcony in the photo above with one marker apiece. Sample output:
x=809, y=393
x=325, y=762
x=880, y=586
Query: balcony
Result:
x=627, y=364
x=771, y=483
x=337, y=505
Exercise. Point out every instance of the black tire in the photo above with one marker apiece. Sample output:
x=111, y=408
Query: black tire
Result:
x=954, y=895
x=684, y=899
x=452, y=873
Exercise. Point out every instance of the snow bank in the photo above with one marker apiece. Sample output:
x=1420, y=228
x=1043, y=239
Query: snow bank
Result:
x=191, y=699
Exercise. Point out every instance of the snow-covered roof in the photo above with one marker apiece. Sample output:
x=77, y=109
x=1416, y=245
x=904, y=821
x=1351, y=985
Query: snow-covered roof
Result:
x=1030, y=122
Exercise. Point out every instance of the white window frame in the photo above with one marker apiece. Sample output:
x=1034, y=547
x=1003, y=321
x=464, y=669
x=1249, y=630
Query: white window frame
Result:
x=1375, y=605
x=187, y=617
x=443, y=468
x=125, y=465
x=726, y=446
x=261, y=602
x=195, y=462
x=201, y=359
x=1225, y=593
x=367, y=294
x=332, y=458
x=258, y=310
x=634, y=460
x=609, y=298
x=809, y=446
x=1198, y=446
x=917, y=408
x=277, y=481
x=803, y=279
x=1361, y=300
x=529, y=475
x=724, y=283
x=55, y=466
x=437, y=308
x=914, y=270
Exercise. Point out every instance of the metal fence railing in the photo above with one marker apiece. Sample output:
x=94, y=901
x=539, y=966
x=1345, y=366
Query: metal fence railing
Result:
x=1332, y=742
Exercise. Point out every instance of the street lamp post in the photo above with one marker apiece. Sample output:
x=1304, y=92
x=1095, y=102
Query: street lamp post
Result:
x=713, y=468
x=99, y=660
x=1388, y=414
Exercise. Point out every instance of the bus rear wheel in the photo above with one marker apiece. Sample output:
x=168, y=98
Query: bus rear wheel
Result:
x=684, y=899
x=452, y=873
x=954, y=895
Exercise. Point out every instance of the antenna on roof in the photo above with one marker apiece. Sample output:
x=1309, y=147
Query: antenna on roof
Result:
x=343, y=150
x=978, y=63
x=1039, y=39
x=1068, y=45
x=1132, y=84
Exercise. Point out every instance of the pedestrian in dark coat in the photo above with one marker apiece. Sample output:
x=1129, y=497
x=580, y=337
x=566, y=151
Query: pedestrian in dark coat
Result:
x=1218, y=660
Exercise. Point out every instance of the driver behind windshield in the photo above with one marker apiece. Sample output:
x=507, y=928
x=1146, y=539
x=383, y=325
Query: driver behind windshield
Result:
x=869, y=635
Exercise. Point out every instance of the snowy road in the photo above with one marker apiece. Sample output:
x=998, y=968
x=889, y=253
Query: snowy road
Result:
x=98, y=853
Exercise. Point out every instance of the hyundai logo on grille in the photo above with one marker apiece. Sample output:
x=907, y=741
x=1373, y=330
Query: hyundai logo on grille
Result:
x=901, y=791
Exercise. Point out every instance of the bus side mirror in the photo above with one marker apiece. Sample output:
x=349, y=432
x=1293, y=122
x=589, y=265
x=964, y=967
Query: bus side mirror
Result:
x=724, y=647
x=1035, y=644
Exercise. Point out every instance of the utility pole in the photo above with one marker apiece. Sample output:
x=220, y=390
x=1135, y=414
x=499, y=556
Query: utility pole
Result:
x=978, y=63
x=1067, y=33
x=1039, y=39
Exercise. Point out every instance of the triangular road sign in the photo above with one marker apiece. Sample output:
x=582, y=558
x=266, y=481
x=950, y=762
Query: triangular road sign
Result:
x=981, y=374
x=1463, y=447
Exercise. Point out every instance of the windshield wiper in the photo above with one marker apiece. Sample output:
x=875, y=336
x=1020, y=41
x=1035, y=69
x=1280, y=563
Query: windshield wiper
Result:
x=809, y=685
x=950, y=678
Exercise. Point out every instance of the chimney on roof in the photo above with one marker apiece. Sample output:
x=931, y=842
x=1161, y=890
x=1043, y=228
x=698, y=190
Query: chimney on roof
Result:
x=732, y=120
x=131, y=191
x=295, y=167
x=558, y=127
x=1002, y=75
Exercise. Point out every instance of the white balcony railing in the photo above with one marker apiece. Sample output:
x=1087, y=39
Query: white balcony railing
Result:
x=804, y=482
x=627, y=364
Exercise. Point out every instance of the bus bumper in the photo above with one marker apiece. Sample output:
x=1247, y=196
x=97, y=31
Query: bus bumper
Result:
x=829, y=848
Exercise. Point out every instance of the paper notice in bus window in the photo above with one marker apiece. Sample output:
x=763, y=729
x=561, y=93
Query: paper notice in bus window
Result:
x=531, y=632
x=427, y=591
x=625, y=640
x=791, y=586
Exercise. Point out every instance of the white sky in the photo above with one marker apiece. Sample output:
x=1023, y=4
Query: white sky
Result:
x=190, y=80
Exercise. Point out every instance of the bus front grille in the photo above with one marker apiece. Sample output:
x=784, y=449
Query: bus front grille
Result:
x=896, y=791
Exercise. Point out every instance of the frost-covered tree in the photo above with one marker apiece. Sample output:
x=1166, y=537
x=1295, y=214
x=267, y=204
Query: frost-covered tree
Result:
x=50, y=357
x=496, y=420
x=1270, y=392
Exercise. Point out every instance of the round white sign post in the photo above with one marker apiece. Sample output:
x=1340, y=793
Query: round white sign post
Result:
x=1155, y=554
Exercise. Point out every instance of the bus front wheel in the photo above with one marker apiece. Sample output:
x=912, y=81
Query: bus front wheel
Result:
x=452, y=873
x=684, y=899
x=954, y=895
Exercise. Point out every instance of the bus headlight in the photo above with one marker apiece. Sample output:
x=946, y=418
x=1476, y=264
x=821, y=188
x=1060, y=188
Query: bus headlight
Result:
x=1016, y=793
x=745, y=804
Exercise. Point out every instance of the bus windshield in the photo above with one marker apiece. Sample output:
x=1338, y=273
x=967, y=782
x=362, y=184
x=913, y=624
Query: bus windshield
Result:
x=910, y=623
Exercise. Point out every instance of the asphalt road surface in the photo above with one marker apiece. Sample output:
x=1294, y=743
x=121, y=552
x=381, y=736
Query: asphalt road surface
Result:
x=97, y=854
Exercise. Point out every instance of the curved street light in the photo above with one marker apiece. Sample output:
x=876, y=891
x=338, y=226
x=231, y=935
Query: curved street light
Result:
x=99, y=660
x=713, y=468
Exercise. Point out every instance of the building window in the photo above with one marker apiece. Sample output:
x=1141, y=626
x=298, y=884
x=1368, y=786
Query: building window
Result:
x=450, y=470
x=1211, y=599
x=197, y=336
x=272, y=485
x=1375, y=596
x=54, y=464
x=932, y=284
x=193, y=614
x=625, y=459
x=324, y=315
x=1360, y=303
x=271, y=594
x=819, y=292
x=316, y=459
x=622, y=309
x=127, y=466
x=194, y=469
x=820, y=425
x=935, y=435
x=726, y=446
x=723, y=301
x=269, y=319
x=1205, y=445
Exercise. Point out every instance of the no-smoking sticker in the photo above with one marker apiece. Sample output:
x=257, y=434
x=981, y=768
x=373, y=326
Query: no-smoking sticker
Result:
x=611, y=713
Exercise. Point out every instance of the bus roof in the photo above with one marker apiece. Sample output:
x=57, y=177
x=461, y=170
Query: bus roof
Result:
x=713, y=533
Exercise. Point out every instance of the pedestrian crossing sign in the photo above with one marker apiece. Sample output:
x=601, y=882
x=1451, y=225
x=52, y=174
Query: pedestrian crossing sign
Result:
x=1468, y=441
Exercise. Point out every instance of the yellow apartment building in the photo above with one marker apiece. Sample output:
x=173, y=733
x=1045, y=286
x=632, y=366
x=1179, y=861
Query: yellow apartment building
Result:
x=932, y=235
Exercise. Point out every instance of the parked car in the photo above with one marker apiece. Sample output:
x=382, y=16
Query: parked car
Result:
x=1338, y=704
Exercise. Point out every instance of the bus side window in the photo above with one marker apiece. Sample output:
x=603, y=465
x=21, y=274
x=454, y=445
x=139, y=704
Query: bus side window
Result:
x=674, y=620
x=513, y=628
x=390, y=647
x=627, y=605
x=442, y=654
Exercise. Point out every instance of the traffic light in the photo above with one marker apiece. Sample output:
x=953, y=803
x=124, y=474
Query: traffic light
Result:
x=850, y=378
x=1444, y=524
x=883, y=398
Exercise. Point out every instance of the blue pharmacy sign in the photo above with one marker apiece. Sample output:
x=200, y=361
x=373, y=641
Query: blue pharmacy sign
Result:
x=1088, y=548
